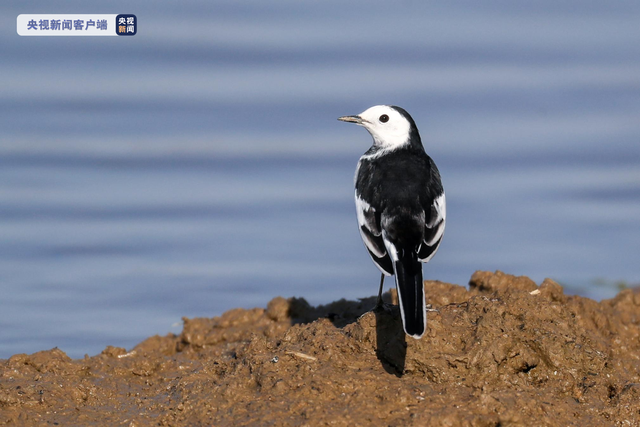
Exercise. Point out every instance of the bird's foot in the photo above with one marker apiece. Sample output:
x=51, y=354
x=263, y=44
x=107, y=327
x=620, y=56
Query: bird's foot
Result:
x=382, y=307
x=429, y=307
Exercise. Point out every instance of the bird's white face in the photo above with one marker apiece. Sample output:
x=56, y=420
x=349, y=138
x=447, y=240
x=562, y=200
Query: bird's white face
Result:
x=388, y=127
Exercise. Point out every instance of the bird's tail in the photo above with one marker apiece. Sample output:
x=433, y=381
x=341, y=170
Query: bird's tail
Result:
x=413, y=310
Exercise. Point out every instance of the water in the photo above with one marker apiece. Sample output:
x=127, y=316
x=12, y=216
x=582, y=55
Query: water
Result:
x=199, y=165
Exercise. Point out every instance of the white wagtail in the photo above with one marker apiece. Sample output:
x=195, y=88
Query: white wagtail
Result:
x=400, y=204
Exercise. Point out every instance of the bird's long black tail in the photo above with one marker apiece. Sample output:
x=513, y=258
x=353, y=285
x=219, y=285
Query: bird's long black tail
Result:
x=408, y=271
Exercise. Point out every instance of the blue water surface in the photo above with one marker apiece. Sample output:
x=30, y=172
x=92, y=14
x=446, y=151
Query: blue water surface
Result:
x=198, y=166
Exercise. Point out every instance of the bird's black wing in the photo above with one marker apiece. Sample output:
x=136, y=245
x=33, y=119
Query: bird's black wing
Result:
x=371, y=233
x=434, y=203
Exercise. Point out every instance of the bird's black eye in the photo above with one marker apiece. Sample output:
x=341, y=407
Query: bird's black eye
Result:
x=384, y=118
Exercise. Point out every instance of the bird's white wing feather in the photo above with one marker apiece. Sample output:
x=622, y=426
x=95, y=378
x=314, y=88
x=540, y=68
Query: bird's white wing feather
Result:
x=434, y=229
x=367, y=226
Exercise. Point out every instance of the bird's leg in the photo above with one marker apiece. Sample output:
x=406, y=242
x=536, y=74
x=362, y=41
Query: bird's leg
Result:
x=380, y=303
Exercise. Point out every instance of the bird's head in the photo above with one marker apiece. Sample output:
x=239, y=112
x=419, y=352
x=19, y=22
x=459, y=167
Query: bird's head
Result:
x=390, y=126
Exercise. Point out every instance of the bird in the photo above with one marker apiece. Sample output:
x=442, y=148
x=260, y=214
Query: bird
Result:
x=400, y=206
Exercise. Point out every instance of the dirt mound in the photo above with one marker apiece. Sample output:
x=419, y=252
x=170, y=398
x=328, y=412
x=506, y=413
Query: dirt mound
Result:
x=503, y=353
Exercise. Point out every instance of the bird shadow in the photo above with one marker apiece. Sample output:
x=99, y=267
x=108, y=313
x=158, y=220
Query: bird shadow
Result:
x=391, y=344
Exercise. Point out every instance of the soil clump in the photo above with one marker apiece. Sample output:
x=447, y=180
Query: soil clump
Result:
x=505, y=352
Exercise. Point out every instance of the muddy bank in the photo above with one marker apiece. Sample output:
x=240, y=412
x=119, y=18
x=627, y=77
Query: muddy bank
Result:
x=504, y=353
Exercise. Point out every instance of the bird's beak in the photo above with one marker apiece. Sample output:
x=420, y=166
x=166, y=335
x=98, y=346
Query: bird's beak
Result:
x=351, y=119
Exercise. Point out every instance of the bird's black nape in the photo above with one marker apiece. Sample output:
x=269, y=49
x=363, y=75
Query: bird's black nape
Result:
x=414, y=135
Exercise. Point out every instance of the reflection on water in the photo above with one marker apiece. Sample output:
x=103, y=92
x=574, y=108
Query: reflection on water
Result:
x=184, y=173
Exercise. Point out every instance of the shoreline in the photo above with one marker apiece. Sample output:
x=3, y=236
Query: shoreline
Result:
x=503, y=352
